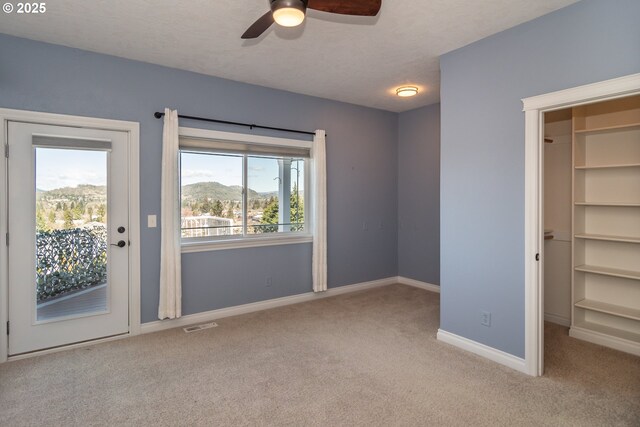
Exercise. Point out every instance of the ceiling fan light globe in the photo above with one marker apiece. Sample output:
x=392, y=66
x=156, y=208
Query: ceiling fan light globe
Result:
x=288, y=13
x=288, y=17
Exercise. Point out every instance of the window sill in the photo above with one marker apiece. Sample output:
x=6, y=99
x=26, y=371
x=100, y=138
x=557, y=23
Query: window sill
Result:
x=244, y=243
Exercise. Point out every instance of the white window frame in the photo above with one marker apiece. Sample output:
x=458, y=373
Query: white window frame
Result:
x=201, y=244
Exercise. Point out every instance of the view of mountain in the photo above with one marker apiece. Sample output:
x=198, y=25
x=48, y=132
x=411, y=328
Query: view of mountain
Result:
x=85, y=191
x=217, y=191
x=199, y=190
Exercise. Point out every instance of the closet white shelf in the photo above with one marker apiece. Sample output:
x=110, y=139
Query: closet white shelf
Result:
x=612, y=309
x=628, y=126
x=606, y=271
x=614, y=204
x=627, y=165
x=608, y=238
x=607, y=330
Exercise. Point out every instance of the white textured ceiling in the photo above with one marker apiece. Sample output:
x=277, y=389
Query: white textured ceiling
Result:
x=352, y=59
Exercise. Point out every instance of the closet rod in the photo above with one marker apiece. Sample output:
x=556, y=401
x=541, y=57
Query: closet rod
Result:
x=159, y=115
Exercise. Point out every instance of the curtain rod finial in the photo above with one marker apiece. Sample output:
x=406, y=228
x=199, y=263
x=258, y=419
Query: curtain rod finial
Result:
x=158, y=115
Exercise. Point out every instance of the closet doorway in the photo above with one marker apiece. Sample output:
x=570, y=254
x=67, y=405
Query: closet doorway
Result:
x=592, y=222
x=582, y=216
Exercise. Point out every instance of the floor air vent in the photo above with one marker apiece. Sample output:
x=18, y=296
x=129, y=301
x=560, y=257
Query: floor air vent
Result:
x=200, y=327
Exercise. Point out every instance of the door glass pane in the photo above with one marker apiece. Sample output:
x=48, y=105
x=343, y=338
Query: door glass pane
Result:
x=71, y=232
x=211, y=194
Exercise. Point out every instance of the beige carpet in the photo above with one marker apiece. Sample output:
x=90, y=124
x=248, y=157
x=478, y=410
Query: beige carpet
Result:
x=367, y=358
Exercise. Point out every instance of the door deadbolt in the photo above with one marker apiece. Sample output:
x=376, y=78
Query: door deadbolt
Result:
x=121, y=229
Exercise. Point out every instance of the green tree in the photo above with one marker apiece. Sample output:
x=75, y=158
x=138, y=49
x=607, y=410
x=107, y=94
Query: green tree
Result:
x=52, y=217
x=90, y=213
x=41, y=223
x=270, y=213
x=269, y=216
x=78, y=211
x=217, y=208
x=102, y=210
x=68, y=219
x=205, y=206
x=297, y=209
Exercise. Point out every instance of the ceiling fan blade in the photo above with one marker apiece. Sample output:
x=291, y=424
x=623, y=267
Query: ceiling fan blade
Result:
x=259, y=27
x=347, y=7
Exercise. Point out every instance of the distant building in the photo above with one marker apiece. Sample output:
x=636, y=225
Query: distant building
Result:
x=206, y=226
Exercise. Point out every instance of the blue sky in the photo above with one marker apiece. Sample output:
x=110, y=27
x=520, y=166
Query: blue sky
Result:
x=57, y=168
x=227, y=170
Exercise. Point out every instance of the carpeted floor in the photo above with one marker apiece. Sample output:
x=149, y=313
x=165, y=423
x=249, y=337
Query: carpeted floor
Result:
x=367, y=358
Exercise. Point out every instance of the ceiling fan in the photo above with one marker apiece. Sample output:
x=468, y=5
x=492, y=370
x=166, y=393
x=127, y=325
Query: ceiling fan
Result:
x=290, y=13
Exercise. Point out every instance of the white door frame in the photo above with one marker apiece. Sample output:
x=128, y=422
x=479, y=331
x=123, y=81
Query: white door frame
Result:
x=534, y=107
x=133, y=131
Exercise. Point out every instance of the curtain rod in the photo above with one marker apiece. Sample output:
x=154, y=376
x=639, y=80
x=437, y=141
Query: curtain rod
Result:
x=159, y=115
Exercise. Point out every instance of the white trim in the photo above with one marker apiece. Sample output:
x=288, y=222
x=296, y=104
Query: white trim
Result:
x=134, y=228
x=534, y=107
x=418, y=284
x=66, y=347
x=558, y=320
x=242, y=137
x=608, y=89
x=133, y=130
x=245, y=242
x=208, y=316
x=606, y=340
x=4, y=274
x=485, y=351
x=533, y=243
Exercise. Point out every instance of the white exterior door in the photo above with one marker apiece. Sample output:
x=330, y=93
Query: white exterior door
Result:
x=68, y=217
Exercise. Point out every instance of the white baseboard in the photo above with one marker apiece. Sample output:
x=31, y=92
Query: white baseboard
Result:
x=208, y=316
x=595, y=337
x=67, y=347
x=418, y=284
x=485, y=351
x=558, y=320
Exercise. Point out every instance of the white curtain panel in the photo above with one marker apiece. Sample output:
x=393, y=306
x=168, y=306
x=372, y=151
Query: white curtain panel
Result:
x=319, y=211
x=170, y=305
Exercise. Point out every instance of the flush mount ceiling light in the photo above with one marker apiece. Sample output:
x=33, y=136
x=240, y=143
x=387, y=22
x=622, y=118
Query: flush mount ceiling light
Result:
x=406, y=91
x=288, y=13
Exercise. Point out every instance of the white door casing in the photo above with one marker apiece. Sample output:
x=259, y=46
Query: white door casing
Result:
x=534, y=108
x=129, y=131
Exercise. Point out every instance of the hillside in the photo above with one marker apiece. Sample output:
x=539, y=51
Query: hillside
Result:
x=217, y=191
x=86, y=191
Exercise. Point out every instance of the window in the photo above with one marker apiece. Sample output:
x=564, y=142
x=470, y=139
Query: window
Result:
x=251, y=189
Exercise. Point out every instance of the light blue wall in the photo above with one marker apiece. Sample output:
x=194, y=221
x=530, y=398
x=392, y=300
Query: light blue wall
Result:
x=419, y=194
x=361, y=151
x=482, y=154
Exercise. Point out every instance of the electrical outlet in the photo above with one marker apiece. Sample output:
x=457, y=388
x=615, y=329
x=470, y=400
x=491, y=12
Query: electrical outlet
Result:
x=485, y=318
x=268, y=282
